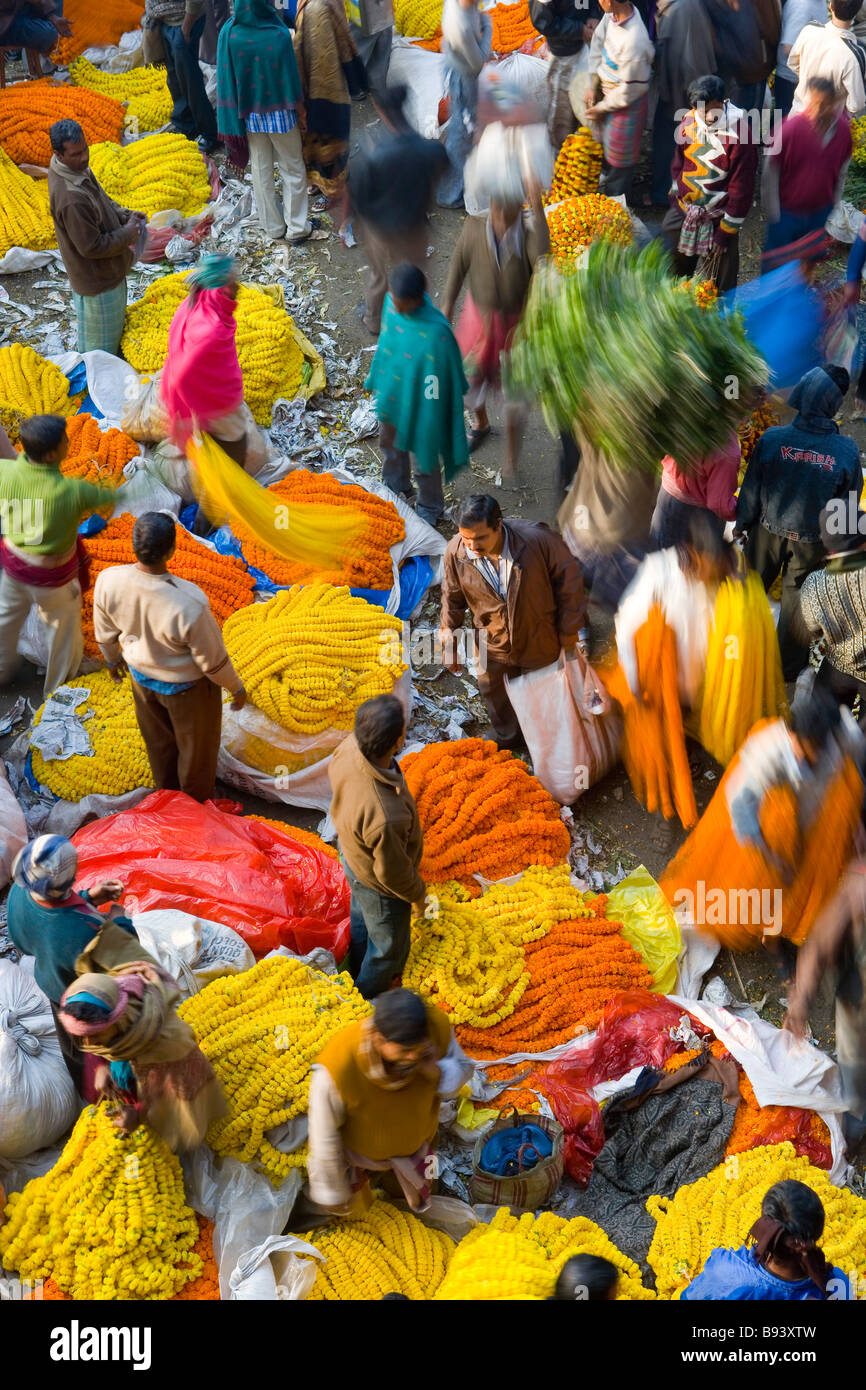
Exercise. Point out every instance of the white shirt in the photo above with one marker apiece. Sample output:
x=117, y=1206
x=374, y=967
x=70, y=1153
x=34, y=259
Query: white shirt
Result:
x=622, y=55
x=796, y=14
x=827, y=52
x=495, y=569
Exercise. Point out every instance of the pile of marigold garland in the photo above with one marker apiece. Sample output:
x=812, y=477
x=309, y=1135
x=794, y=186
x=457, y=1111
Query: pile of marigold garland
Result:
x=98, y=456
x=576, y=223
x=108, y=1221
x=154, y=174
x=119, y=761
x=578, y=167
x=143, y=91
x=520, y=1259
x=721, y=1208
x=523, y=967
x=366, y=563
x=270, y=358
x=29, y=109
x=30, y=385
x=224, y=578
x=25, y=219
x=311, y=655
x=482, y=812
x=204, y=1288
x=94, y=25
x=385, y=1251
x=261, y=1032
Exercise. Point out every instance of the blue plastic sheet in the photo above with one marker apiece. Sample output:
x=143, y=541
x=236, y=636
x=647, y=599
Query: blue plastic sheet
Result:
x=33, y=779
x=784, y=318
x=78, y=382
x=92, y=526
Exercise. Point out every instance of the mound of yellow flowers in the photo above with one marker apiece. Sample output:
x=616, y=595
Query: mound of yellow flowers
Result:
x=24, y=216
x=30, y=385
x=261, y=1032
x=144, y=92
x=270, y=357
x=386, y=1251
x=119, y=763
x=520, y=1258
x=108, y=1221
x=153, y=174
x=311, y=655
x=720, y=1210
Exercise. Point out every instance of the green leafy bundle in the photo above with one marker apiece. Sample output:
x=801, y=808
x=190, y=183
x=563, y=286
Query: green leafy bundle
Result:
x=624, y=353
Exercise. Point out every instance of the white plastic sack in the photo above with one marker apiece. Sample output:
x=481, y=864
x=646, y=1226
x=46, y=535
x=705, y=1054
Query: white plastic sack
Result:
x=192, y=949
x=143, y=491
x=118, y=57
x=37, y=1097
x=526, y=77
x=504, y=160
x=21, y=258
x=783, y=1070
x=569, y=724
x=142, y=413
x=578, y=90
x=424, y=76
x=33, y=644
x=110, y=381
x=13, y=827
x=844, y=222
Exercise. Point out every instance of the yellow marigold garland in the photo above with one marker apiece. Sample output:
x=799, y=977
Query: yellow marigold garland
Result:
x=270, y=358
x=108, y=1221
x=261, y=1031
x=144, y=91
x=25, y=219
x=386, y=1251
x=520, y=1258
x=30, y=385
x=418, y=19
x=119, y=762
x=721, y=1208
x=154, y=174
x=310, y=655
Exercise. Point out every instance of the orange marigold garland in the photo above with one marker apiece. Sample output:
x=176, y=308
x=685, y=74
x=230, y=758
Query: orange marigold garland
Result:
x=224, y=578
x=304, y=837
x=578, y=167
x=366, y=564
x=576, y=223
x=29, y=109
x=96, y=25
x=97, y=456
x=512, y=28
x=481, y=811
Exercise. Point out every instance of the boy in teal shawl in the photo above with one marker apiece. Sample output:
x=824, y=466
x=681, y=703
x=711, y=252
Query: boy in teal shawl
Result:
x=417, y=377
x=260, y=109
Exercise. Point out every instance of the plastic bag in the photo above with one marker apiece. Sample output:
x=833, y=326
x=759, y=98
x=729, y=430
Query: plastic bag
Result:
x=634, y=1032
x=142, y=491
x=569, y=723
x=840, y=338
x=504, y=159
x=192, y=950
x=648, y=922
x=580, y=1117
x=13, y=827
x=143, y=416
x=37, y=1097
x=784, y=318
x=172, y=852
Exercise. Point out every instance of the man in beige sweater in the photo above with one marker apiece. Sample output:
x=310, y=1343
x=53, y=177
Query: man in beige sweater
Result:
x=380, y=842
x=162, y=628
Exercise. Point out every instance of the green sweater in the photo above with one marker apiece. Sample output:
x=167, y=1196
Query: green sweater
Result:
x=40, y=509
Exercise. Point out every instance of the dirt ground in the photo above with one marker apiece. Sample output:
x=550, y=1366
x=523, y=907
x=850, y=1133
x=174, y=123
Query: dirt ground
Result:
x=626, y=832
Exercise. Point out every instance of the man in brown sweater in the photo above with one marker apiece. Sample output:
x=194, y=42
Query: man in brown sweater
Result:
x=95, y=237
x=380, y=842
x=524, y=592
x=162, y=628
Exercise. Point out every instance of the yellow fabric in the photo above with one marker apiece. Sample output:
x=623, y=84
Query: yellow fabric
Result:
x=304, y=533
x=648, y=923
x=384, y=1124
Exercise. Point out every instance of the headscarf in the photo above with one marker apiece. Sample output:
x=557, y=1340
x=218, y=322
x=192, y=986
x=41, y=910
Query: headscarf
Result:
x=816, y=398
x=256, y=72
x=141, y=1000
x=47, y=867
x=211, y=273
x=774, y=1241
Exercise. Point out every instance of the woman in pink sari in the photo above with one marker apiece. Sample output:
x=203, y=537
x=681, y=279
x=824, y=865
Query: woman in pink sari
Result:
x=201, y=386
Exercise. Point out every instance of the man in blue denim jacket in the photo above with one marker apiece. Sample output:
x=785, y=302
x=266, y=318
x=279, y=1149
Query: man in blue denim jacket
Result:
x=794, y=471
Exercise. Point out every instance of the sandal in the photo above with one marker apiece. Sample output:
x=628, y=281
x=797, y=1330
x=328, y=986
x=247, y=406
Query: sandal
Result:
x=476, y=438
x=321, y=204
x=316, y=233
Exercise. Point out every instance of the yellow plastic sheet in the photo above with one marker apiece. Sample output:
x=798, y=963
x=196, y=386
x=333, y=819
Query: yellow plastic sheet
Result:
x=471, y=1118
x=301, y=532
x=648, y=923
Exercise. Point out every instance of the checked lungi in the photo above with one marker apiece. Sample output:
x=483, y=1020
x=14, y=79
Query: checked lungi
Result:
x=621, y=134
x=100, y=319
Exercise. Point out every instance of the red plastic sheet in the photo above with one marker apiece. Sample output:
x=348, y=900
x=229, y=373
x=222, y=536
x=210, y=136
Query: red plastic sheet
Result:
x=170, y=851
x=634, y=1032
x=580, y=1117
x=779, y=1123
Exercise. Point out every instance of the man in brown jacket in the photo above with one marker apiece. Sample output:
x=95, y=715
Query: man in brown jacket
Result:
x=524, y=591
x=380, y=842
x=95, y=237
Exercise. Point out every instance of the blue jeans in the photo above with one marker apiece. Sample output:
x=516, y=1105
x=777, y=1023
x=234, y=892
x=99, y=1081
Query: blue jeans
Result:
x=664, y=145
x=192, y=114
x=793, y=225
x=30, y=32
x=380, y=936
x=463, y=108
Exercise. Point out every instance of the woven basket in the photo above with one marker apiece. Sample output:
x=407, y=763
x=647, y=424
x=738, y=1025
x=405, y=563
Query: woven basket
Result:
x=530, y=1190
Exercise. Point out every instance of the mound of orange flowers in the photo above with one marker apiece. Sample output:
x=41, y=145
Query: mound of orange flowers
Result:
x=513, y=30
x=29, y=109
x=98, y=456
x=204, y=1289
x=366, y=563
x=224, y=578
x=574, y=969
x=96, y=25
x=758, y=1125
x=304, y=837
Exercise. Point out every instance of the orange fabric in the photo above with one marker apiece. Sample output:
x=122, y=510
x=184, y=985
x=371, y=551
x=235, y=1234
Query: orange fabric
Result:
x=654, y=741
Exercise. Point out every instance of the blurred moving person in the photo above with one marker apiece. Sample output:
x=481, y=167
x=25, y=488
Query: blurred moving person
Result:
x=833, y=610
x=330, y=69
x=794, y=471
x=522, y=588
x=804, y=174
x=830, y=50
x=709, y=490
x=467, y=34
x=566, y=29
x=796, y=14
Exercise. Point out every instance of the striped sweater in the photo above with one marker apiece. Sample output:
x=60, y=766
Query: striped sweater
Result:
x=714, y=168
x=833, y=603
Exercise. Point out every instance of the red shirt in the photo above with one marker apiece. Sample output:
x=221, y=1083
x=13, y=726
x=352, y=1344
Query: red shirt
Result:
x=809, y=169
